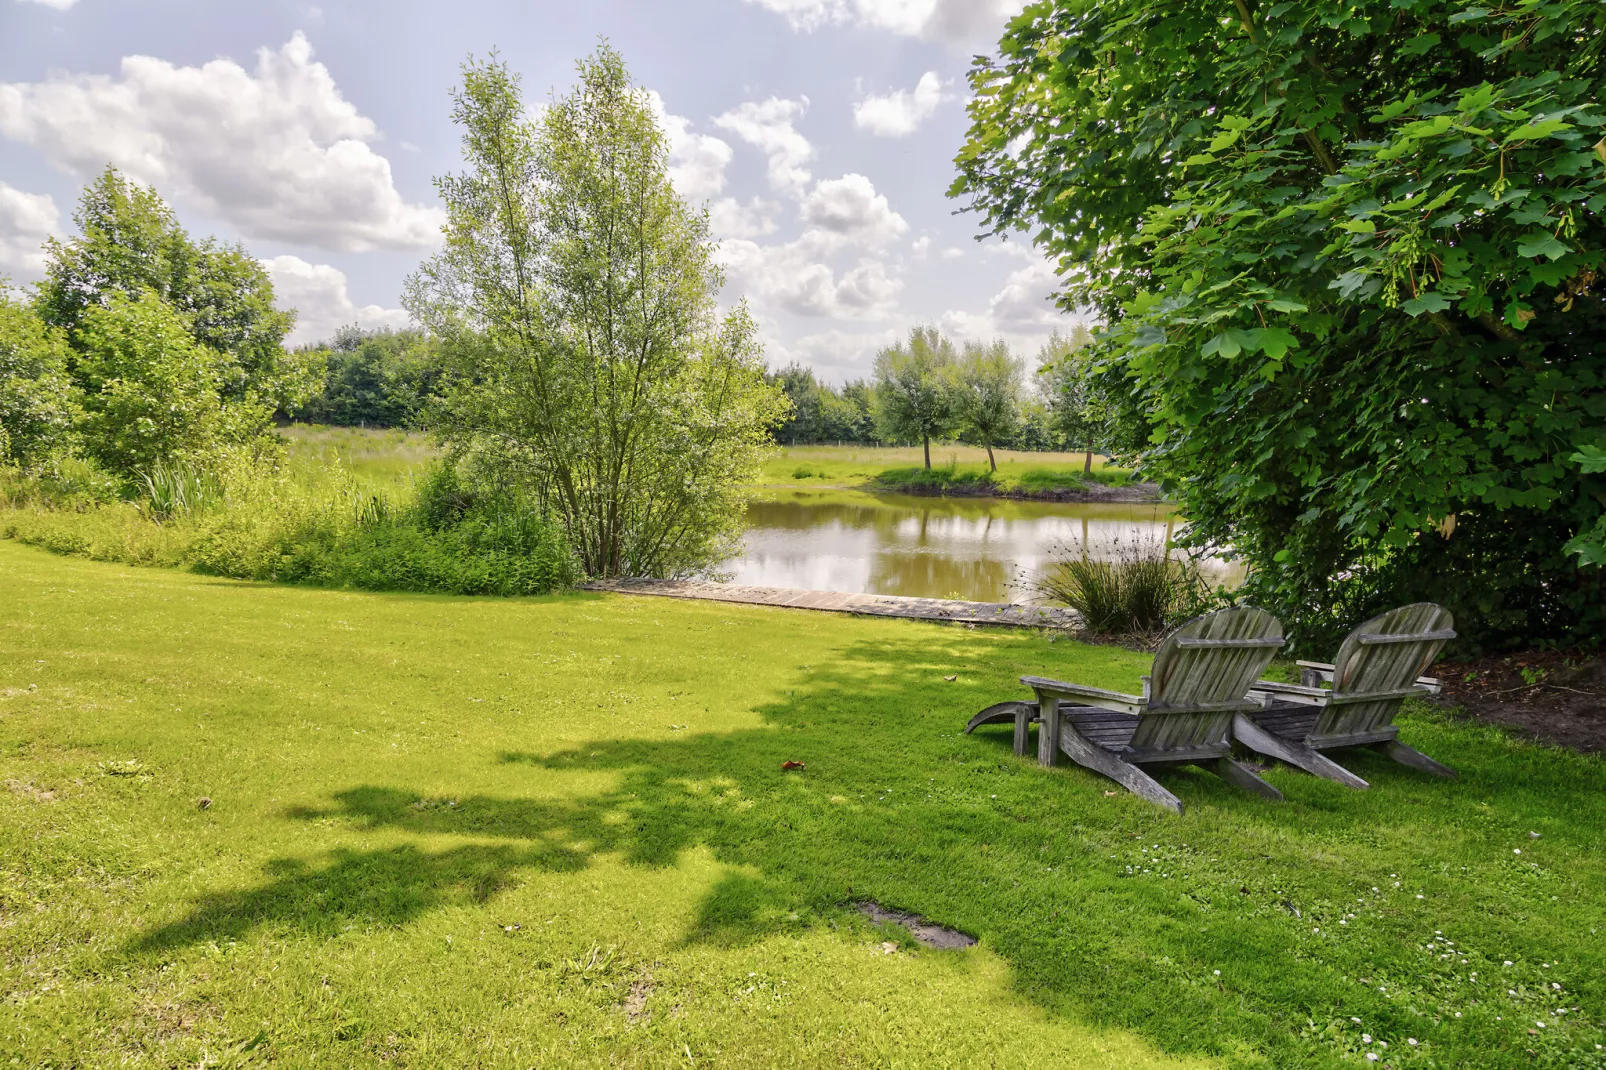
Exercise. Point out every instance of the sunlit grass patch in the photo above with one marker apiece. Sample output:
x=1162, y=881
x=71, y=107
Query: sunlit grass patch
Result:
x=449, y=831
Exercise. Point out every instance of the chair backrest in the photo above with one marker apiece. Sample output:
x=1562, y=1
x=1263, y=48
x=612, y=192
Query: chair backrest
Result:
x=1202, y=675
x=1383, y=657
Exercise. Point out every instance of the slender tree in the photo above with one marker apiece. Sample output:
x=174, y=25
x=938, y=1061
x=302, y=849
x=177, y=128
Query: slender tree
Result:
x=914, y=393
x=575, y=300
x=986, y=382
x=1064, y=375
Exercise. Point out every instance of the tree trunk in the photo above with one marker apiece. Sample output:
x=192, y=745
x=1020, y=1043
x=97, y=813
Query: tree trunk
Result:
x=990, y=460
x=926, y=441
x=1087, y=462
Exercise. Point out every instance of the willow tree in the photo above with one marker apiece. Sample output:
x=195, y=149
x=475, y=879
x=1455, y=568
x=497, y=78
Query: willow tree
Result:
x=575, y=300
x=986, y=388
x=1349, y=257
x=914, y=397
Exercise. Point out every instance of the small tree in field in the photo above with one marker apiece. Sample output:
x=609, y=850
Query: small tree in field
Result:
x=914, y=394
x=1065, y=376
x=987, y=386
x=575, y=303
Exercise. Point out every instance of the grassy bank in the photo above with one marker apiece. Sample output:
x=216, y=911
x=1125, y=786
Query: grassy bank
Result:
x=260, y=825
x=390, y=461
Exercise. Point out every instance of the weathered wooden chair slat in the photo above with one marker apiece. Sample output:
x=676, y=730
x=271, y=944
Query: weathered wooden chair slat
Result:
x=1379, y=665
x=1201, y=679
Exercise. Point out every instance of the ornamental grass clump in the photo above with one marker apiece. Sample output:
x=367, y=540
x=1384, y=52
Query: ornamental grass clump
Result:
x=1140, y=590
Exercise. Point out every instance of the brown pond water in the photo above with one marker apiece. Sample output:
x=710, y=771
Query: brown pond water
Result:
x=979, y=549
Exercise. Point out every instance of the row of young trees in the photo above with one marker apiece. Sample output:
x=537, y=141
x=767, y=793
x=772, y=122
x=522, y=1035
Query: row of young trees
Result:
x=928, y=388
x=142, y=345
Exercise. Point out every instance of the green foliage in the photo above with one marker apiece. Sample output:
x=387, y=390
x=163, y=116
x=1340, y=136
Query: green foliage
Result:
x=252, y=518
x=1141, y=590
x=153, y=394
x=575, y=301
x=38, y=401
x=177, y=490
x=822, y=413
x=1348, y=255
x=130, y=243
x=986, y=385
x=914, y=397
x=380, y=378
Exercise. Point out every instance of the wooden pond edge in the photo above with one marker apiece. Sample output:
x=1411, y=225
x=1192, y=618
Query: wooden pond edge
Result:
x=1005, y=614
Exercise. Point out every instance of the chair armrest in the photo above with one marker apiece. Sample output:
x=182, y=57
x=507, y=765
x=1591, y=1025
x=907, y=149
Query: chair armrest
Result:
x=1271, y=690
x=1324, y=671
x=1087, y=696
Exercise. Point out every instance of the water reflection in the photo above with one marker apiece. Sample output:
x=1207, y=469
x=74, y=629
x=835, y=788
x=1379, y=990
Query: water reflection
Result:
x=974, y=548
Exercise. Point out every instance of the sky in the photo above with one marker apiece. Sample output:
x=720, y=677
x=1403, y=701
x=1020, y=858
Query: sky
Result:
x=820, y=134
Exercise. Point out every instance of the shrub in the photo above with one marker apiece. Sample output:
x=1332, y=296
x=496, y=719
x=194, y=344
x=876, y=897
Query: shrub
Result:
x=250, y=518
x=1140, y=591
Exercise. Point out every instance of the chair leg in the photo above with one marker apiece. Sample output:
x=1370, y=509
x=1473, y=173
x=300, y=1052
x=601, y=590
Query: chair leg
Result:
x=1414, y=758
x=1085, y=753
x=1050, y=727
x=1297, y=755
x=1024, y=713
x=1241, y=776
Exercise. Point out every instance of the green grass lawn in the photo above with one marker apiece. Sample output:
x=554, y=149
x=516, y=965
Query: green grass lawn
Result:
x=847, y=466
x=449, y=832
x=382, y=459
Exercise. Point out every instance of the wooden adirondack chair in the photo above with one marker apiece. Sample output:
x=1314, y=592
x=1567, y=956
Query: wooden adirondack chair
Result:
x=1379, y=666
x=1201, y=678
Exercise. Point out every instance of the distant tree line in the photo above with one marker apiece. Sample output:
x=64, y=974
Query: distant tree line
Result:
x=930, y=389
x=373, y=378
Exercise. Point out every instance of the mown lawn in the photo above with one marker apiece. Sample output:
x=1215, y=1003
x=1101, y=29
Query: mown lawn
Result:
x=847, y=466
x=448, y=832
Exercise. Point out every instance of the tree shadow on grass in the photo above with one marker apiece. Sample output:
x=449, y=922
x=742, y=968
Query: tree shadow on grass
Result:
x=1107, y=909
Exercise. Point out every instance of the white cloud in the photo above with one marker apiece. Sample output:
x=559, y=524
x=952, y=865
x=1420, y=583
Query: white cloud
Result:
x=795, y=277
x=850, y=206
x=278, y=153
x=697, y=162
x=318, y=294
x=26, y=220
x=900, y=113
x=956, y=21
x=767, y=126
x=835, y=355
x=59, y=5
x=729, y=218
x=1022, y=312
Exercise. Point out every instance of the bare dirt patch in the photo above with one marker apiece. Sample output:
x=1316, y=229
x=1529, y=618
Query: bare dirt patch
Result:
x=926, y=932
x=1555, y=696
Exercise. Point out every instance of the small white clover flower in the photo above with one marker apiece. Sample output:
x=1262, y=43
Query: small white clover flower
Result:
x=1555, y=986
x=1371, y=1056
x=1366, y=1038
x=1508, y=962
x=1516, y=850
x=1541, y=1025
x=1218, y=973
x=1458, y=1014
x=1357, y=1021
x=1411, y=1041
x=1421, y=896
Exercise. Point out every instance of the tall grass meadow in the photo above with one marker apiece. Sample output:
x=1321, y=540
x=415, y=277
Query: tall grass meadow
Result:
x=251, y=516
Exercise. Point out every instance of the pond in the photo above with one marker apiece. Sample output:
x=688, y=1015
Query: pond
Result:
x=979, y=549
